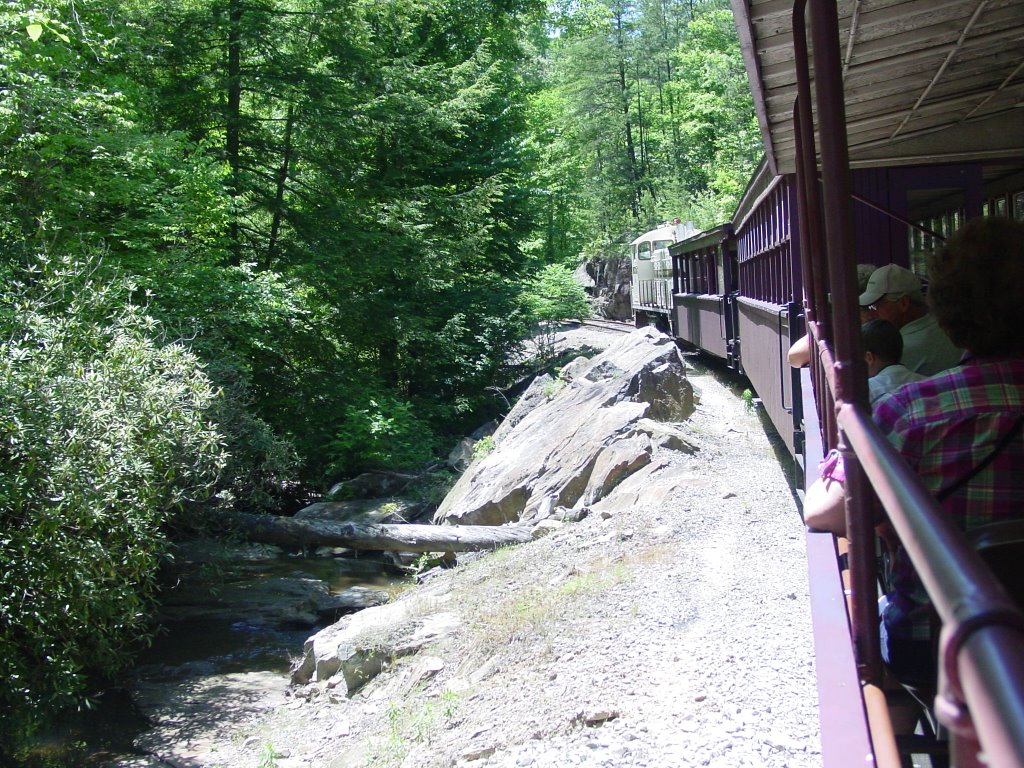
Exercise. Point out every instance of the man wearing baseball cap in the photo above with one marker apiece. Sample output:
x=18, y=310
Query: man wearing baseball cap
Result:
x=894, y=294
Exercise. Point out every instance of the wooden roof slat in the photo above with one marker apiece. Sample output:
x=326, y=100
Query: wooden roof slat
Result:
x=900, y=72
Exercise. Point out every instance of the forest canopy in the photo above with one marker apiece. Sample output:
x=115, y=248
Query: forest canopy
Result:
x=252, y=246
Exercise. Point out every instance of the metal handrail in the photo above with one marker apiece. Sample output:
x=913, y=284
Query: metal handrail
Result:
x=981, y=658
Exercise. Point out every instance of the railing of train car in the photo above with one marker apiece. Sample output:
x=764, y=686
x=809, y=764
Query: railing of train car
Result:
x=700, y=270
x=768, y=312
x=704, y=280
x=654, y=294
x=981, y=658
x=765, y=247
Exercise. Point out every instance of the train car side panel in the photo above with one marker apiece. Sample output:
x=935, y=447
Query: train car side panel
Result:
x=764, y=329
x=701, y=322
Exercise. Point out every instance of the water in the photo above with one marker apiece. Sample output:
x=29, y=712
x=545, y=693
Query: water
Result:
x=198, y=646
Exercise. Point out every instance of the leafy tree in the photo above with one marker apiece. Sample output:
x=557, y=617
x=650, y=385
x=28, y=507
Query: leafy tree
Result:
x=646, y=114
x=718, y=128
x=105, y=441
x=554, y=295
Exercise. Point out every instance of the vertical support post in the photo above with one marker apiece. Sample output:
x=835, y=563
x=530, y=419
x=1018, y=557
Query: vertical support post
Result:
x=850, y=369
x=819, y=319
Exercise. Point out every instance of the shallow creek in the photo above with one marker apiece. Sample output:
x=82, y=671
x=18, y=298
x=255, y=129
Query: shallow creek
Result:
x=244, y=610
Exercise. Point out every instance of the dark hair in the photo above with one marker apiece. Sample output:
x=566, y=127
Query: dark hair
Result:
x=882, y=339
x=977, y=286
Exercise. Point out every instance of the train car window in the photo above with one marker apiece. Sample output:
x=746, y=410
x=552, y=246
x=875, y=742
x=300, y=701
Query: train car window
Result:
x=1000, y=206
x=644, y=251
x=720, y=285
x=662, y=244
x=1018, y=206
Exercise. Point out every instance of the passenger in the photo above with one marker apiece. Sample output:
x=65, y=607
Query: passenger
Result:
x=824, y=501
x=961, y=430
x=800, y=353
x=883, y=350
x=894, y=293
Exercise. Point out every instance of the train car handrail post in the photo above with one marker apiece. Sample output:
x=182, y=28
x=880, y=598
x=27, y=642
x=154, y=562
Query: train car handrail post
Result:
x=850, y=369
x=819, y=320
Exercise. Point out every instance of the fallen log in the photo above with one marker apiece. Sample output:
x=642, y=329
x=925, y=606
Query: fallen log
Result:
x=289, y=532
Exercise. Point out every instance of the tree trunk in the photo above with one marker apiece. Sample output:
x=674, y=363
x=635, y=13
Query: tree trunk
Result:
x=631, y=164
x=233, y=121
x=280, y=186
x=288, y=531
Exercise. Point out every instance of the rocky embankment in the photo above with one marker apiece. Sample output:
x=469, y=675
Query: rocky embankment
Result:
x=659, y=617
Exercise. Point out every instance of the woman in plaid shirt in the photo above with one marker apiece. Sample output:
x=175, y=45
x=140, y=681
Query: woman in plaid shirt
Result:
x=960, y=430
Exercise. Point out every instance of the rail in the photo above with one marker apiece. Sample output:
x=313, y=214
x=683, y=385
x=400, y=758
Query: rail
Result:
x=981, y=659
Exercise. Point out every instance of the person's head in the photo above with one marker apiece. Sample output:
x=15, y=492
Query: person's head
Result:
x=976, y=288
x=894, y=294
x=864, y=272
x=883, y=344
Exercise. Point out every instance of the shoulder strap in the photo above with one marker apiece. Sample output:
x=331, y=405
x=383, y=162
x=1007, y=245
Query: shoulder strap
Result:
x=1004, y=441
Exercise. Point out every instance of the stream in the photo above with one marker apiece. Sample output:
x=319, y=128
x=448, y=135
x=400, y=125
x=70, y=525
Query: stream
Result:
x=239, y=610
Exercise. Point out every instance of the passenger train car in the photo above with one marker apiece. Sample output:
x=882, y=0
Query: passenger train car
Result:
x=886, y=124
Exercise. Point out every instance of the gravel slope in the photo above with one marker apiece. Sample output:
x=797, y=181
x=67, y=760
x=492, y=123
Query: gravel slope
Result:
x=671, y=636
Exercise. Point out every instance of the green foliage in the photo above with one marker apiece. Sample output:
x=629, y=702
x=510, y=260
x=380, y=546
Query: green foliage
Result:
x=408, y=725
x=105, y=440
x=748, y=399
x=551, y=296
x=553, y=387
x=483, y=447
x=384, y=433
x=268, y=756
x=645, y=114
x=554, y=294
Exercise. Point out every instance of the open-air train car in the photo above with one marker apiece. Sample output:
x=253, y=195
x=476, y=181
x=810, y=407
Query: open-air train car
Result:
x=886, y=125
x=915, y=120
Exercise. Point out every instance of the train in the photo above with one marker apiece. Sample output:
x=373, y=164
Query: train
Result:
x=886, y=125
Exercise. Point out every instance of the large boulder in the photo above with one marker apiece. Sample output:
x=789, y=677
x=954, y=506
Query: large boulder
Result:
x=608, y=281
x=574, y=441
x=355, y=649
x=372, y=485
x=363, y=511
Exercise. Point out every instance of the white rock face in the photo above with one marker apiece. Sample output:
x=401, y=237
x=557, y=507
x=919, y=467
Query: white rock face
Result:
x=573, y=448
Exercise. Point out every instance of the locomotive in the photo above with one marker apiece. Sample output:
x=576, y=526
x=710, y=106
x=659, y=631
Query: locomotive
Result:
x=886, y=125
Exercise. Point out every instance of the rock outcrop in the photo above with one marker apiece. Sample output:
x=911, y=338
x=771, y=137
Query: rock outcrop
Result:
x=355, y=649
x=608, y=281
x=569, y=443
x=592, y=441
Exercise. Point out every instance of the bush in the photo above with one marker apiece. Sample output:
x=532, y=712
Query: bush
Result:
x=104, y=438
x=382, y=433
x=261, y=465
x=552, y=296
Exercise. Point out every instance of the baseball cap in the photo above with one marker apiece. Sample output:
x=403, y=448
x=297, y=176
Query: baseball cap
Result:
x=892, y=278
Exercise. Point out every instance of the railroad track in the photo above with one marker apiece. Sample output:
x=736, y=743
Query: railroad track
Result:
x=615, y=326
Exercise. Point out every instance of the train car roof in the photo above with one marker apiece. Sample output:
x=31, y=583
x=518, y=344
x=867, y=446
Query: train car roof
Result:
x=666, y=231
x=700, y=240
x=925, y=80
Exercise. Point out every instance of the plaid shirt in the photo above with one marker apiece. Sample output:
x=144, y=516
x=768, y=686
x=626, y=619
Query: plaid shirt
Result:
x=944, y=426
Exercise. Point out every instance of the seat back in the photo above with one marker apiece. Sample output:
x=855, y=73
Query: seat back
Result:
x=1001, y=546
